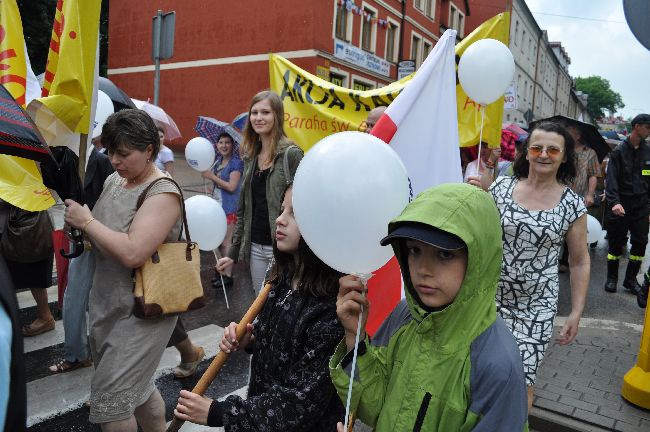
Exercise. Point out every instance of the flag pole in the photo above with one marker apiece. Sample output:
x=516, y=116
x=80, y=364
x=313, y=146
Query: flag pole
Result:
x=83, y=145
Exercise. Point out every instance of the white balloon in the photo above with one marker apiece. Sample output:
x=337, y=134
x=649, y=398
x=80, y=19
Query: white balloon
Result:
x=594, y=230
x=206, y=221
x=346, y=190
x=485, y=70
x=199, y=153
x=103, y=109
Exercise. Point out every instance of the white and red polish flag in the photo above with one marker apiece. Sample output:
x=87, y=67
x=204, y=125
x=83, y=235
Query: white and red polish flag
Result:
x=421, y=125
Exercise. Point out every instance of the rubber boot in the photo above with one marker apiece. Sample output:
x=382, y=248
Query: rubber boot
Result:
x=642, y=295
x=612, y=276
x=630, y=283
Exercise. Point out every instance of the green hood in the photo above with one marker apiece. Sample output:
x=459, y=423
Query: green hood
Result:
x=471, y=214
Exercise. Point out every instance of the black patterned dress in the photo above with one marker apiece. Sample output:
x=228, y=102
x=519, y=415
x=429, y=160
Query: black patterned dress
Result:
x=290, y=387
x=527, y=294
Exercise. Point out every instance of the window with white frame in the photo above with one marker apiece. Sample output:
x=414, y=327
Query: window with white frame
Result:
x=426, y=49
x=368, y=29
x=416, y=44
x=456, y=19
x=361, y=84
x=343, y=23
x=427, y=7
x=392, y=41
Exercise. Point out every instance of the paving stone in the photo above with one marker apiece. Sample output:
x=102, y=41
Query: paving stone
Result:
x=585, y=389
x=554, y=406
x=601, y=401
x=546, y=394
x=626, y=427
x=620, y=415
x=562, y=391
x=586, y=406
x=594, y=418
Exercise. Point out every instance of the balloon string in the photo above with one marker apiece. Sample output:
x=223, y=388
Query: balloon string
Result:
x=364, y=278
x=480, y=140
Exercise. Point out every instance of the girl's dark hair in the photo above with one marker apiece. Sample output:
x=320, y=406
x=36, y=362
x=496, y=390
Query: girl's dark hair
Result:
x=567, y=171
x=316, y=277
x=226, y=135
x=130, y=128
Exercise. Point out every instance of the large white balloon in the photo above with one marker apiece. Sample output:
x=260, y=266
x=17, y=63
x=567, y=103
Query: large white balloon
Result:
x=346, y=190
x=594, y=230
x=103, y=109
x=199, y=153
x=206, y=221
x=485, y=70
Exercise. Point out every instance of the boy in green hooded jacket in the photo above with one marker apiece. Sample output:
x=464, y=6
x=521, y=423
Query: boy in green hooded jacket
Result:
x=442, y=361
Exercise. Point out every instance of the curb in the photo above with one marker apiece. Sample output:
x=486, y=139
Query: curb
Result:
x=549, y=421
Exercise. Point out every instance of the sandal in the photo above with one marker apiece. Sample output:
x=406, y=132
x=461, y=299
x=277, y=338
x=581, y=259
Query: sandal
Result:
x=66, y=366
x=38, y=326
x=185, y=370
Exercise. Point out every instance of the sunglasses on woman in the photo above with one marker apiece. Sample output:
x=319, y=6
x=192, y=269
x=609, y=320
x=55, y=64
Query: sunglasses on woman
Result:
x=536, y=150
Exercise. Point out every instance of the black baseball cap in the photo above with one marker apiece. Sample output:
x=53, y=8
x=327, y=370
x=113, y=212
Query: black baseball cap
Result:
x=426, y=234
x=641, y=119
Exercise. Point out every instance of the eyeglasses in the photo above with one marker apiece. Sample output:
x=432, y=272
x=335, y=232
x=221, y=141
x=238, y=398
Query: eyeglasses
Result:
x=536, y=150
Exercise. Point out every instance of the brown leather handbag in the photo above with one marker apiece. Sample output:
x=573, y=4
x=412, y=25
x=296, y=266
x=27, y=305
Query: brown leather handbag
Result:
x=169, y=282
x=27, y=236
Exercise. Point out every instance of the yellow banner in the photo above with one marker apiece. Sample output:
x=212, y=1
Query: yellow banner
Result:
x=315, y=108
x=68, y=86
x=13, y=69
x=21, y=183
x=469, y=114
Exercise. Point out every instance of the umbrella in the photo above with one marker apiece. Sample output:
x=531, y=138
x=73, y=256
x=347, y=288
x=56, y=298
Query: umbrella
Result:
x=63, y=177
x=519, y=132
x=240, y=121
x=590, y=135
x=160, y=117
x=120, y=99
x=210, y=128
x=19, y=136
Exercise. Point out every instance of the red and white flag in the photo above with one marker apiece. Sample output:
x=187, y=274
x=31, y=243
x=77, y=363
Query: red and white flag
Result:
x=421, y=125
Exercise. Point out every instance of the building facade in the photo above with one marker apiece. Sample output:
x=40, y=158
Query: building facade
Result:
x=221, y=53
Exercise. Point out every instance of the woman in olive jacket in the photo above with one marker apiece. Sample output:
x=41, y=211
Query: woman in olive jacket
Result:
x=270, y=161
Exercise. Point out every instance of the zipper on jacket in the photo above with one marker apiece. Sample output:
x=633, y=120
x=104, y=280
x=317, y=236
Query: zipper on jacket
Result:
x=422, y=412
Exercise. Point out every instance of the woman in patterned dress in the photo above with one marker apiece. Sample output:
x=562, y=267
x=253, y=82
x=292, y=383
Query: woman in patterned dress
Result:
x=126, y=350
x=292, y=340
x=538, y=212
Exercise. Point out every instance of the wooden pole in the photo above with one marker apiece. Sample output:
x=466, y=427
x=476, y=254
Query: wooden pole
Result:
x=220, y=359
x=83, y=146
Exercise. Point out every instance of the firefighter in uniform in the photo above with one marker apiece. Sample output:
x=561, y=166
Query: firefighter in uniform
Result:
x=627, y=190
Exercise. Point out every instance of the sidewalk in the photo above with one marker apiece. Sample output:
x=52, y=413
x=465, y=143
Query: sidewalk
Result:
x=579, y=385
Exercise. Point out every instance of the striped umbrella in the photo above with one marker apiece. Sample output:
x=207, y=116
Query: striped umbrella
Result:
x=18, y=133
x=210, y=128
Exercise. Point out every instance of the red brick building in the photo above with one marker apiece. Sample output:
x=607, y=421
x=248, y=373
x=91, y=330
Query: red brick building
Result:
x=221, y=48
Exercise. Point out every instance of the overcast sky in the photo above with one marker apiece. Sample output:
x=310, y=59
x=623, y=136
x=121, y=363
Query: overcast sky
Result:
x=600, y=45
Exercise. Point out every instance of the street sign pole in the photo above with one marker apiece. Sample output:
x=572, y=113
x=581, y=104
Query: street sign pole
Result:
x=162, y=45
x=157, y=26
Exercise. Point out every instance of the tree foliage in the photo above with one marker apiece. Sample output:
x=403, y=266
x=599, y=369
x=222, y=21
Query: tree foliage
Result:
x=601, y=96
x=38, y=18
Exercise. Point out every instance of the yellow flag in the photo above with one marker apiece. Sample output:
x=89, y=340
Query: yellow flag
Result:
x=21, y=183
x=68, y=86
x=469, y=114
x=13, y=67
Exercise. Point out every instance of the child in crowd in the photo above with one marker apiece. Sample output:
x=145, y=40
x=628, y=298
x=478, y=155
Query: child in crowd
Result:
x=443, y=360
x=291, y=341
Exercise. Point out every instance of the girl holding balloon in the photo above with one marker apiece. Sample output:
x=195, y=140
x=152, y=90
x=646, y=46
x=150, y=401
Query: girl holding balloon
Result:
x=291, y=341
x=270, y=161
x=226, y=178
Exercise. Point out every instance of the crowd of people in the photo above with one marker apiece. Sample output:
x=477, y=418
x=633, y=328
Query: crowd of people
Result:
x=479, y=260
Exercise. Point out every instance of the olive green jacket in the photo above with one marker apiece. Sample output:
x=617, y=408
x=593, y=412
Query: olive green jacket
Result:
x=276, y=183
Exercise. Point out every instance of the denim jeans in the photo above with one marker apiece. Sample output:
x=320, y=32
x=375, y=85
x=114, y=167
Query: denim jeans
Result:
x=261, y=257
x=75, y=304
